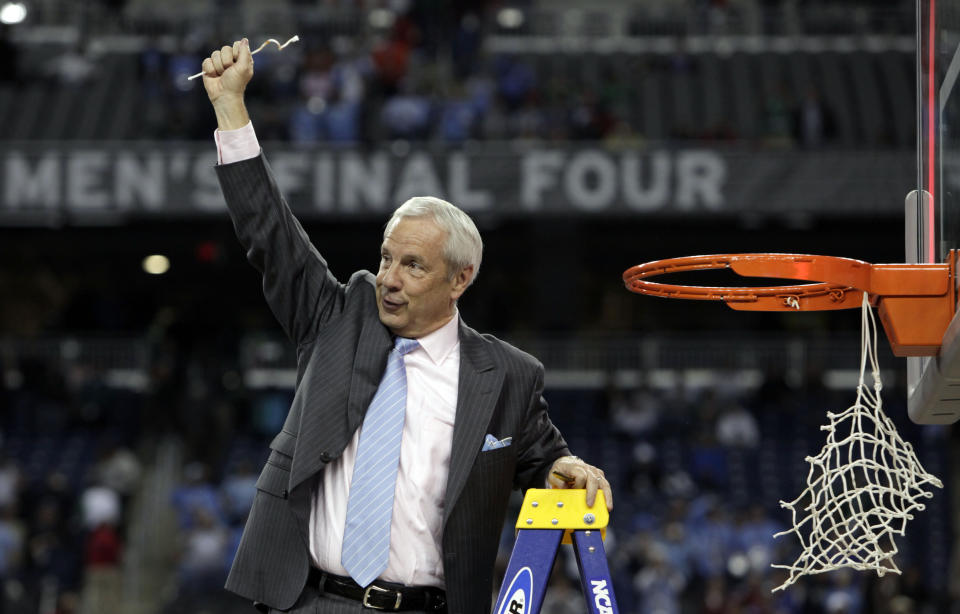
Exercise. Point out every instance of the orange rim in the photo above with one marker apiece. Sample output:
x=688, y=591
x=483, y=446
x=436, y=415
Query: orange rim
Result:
x=916, y=302
x=636, y=277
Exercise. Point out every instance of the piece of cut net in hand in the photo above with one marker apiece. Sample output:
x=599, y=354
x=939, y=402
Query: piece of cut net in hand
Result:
x=861, y=488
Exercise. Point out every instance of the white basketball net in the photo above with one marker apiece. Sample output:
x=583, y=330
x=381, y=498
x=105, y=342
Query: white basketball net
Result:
x=862, y=486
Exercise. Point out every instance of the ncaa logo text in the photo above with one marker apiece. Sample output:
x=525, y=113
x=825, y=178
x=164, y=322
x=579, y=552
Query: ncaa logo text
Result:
x=601, y=596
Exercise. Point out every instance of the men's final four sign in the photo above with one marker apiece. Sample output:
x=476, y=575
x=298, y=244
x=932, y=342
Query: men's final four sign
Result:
x=68, y=181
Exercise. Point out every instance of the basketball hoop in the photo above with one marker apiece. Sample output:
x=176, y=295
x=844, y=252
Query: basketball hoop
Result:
x=915, y=301
x=866, y=482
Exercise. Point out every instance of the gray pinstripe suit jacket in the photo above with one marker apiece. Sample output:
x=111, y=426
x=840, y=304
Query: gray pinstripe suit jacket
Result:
x=341, y=354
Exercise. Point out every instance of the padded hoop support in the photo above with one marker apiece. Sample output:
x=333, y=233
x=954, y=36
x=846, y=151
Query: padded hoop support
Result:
x=916, y=301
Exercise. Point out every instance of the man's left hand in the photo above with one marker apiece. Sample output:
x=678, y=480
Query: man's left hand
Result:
x=581, y=475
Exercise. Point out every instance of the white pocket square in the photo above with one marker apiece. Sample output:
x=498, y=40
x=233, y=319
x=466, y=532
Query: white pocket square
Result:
x=492, y=443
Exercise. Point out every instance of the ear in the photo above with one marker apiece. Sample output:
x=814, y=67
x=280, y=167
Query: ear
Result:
x=460, y=281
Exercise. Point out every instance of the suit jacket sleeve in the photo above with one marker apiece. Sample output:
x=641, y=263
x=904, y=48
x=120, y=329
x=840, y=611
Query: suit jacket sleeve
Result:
x=297, y=284
x=541, y=442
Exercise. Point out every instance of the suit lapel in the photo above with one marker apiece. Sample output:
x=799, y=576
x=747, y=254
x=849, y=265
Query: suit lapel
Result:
x=477, y=393
x=368, y=366
x=369, y=362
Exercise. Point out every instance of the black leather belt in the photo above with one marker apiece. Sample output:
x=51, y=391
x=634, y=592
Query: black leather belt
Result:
x=382, y=595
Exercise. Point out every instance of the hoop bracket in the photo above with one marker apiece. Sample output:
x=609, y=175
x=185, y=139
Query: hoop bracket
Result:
x=916, y=301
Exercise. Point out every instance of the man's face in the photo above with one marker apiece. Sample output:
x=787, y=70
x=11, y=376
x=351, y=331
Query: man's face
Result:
x=415, y=294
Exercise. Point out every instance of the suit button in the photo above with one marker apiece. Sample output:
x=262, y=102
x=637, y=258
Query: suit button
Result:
x=326, y=457
x=284, y=494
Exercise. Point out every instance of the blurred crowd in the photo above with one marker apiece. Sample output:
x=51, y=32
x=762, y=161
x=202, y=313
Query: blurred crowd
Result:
x=403, y=85
x=425, y=73
x=70, y=471
x=396, y=85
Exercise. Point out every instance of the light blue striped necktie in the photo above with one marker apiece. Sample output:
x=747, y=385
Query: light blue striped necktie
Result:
x=366, y=536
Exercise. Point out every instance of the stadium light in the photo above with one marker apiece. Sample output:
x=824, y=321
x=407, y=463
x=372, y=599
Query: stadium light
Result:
x=381, y=19
x=510, y=18
x=13, y=13
x=156, y=264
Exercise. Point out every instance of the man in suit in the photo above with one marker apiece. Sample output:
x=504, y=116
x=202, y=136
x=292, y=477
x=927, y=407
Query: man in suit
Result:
x=474, y=422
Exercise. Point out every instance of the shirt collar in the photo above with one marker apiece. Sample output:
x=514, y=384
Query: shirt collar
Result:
x=442, y=341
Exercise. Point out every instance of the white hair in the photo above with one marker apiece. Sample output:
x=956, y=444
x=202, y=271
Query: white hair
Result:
x=463, y=247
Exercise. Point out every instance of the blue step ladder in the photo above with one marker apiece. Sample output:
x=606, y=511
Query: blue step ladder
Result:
x=548, y=518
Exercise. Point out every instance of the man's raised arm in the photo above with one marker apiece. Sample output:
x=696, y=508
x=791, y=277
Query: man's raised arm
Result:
x=298, y=286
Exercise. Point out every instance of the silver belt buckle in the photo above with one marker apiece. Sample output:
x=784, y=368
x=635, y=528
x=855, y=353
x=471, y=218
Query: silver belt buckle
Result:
x=366, y=595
